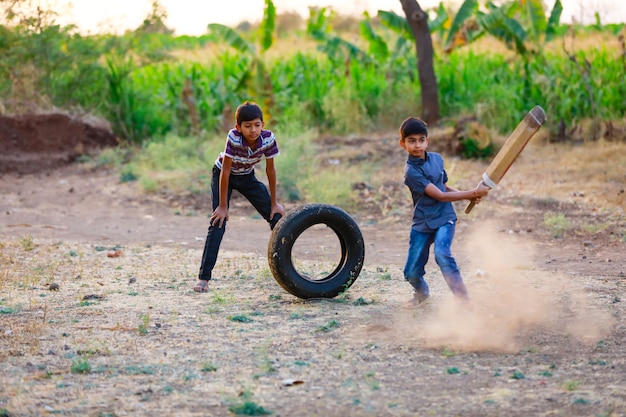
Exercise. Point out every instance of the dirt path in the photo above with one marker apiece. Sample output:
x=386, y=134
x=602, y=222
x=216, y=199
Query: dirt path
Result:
x=78, y=205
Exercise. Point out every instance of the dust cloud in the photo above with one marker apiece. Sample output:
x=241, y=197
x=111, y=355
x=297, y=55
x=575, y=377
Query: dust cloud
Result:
x=512, y=301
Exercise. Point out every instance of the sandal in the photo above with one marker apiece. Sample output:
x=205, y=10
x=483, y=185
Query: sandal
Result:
x=201, y=286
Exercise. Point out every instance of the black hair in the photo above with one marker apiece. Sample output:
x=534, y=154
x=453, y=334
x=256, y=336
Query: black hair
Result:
x=247, y=112
x=413, y=126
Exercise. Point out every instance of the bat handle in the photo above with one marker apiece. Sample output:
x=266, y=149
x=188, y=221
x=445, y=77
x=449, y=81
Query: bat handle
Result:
x=471, y=204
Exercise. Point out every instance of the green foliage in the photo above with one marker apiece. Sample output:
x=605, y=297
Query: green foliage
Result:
x=127, y=174
x=240, y=318
x=301, y=92
x=467, y=10
x=172, y=153
x=439, y=24
x=9, y=310
x=348, y=86
x=231, y=37
x=294, y=162
x=42, y=63
x=502, y=26
x=571, y=385
x=111, y=157
x=329, y=326
x=385, y=276
x=518, y=375
x=553, y=21
x=330, y=186
x=254, y=79
x=377, y=45
x=141, y=370
x=268, y=25
x=447, y=353
x=396, y=23
x=131, y=117
x=155, y=21
x=249, y=408
x=556, y=223
x=592, y=229
x=361, y=302
x=144, y=322
x=173, y=163
x=219, y=298
x=318, y=24
x=80, y=366
x=536, y=16
x=471, y=148
x=27, y=243
x=208, y=367
x=523, y=28
x=338, y=50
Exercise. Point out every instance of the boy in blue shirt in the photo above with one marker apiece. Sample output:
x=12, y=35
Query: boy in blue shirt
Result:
x=246, y=145
x=434, y=218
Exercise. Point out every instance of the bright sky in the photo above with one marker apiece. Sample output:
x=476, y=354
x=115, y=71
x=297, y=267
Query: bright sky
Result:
x=191, y=17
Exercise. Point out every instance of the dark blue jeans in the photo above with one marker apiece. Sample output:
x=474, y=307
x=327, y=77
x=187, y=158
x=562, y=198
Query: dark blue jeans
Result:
x=419, y=247
x=250, y=187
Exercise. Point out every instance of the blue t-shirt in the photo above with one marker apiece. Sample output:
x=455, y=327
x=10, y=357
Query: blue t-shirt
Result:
x=428, y=214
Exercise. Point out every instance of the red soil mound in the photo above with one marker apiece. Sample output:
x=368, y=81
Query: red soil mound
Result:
x=41, y=142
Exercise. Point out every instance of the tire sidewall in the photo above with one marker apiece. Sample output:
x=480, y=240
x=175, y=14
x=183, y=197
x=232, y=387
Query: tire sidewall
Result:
x=292, y=226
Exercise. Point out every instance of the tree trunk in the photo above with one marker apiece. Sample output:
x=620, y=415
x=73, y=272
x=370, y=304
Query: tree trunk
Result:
x=418, y=21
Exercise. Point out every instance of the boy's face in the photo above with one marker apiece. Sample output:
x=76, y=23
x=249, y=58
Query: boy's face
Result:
x=251, y=129
x=415, y=145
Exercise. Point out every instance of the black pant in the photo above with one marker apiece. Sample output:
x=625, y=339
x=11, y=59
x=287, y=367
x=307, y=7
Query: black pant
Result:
x=250, y=187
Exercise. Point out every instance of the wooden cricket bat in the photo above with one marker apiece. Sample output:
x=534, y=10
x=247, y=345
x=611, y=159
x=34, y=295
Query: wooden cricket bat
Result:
x=513, y=146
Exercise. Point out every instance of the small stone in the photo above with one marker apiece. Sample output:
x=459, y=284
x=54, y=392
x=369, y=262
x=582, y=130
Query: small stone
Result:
x=92, y=297
x=54, y=287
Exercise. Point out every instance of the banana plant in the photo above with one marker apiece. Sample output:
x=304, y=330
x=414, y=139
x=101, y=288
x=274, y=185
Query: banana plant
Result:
x=399, y=65
x=396, y=23
x=338, y=50
x=463, y=28
x=523, y=27
x=521, y=24
x=440, y=24
x=377, y=45
x=256, y=80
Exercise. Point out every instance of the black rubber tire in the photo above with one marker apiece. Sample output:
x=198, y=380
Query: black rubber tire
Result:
x=287, y=231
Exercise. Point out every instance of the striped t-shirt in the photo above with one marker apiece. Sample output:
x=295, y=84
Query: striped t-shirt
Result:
x=244, y=158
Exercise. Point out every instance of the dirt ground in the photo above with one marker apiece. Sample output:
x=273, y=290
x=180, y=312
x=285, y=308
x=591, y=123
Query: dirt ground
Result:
x=98, y=317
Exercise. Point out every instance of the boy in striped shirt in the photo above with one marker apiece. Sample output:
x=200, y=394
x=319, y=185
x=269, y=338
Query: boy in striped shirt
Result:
x=246, y=145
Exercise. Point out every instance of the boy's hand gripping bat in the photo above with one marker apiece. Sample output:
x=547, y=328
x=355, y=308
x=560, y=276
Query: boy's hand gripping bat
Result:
x=511, y=149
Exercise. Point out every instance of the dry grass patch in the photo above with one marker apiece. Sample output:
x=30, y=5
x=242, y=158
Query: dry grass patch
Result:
x=116, y=330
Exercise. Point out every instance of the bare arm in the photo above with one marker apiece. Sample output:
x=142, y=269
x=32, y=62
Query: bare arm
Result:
x=456, y=195
x=270, y=170
x=220, y=214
